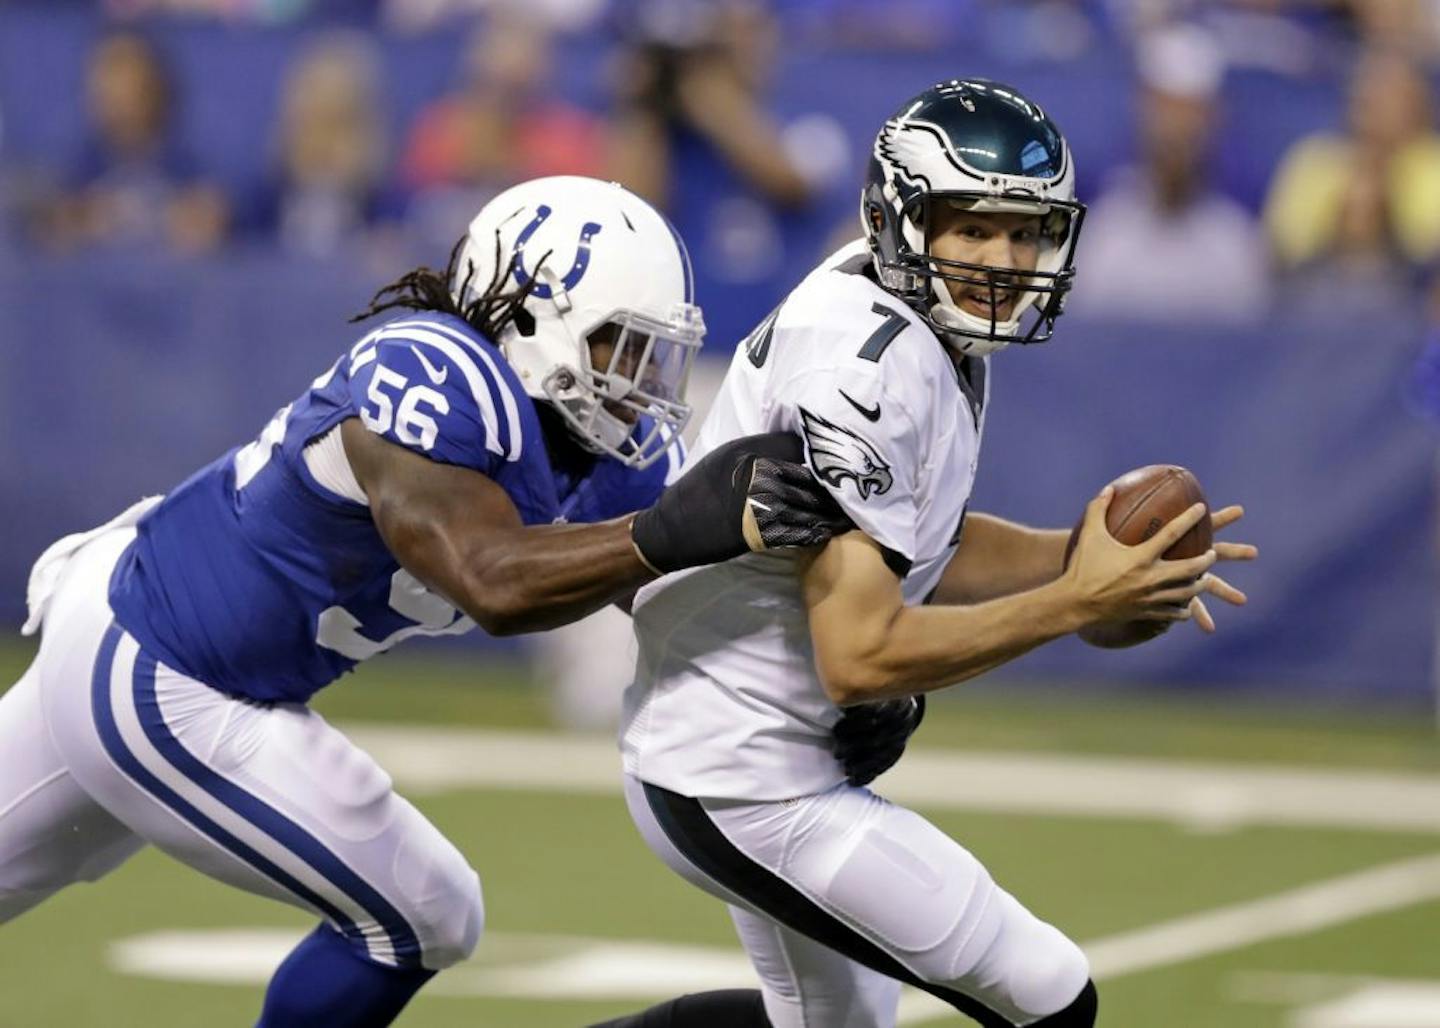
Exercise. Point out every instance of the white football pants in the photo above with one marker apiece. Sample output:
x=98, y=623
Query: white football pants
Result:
x=103, y=749
x=840, y=897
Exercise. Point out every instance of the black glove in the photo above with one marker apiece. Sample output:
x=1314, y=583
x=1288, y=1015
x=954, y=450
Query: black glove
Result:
x=750, y=494
x=870, y=737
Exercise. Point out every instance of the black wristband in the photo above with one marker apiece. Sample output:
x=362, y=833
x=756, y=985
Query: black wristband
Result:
x=662, y=546
x=750, y=494
x=700, y=519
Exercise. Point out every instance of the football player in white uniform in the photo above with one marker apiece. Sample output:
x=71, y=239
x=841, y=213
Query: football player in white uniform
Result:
x=879, y=358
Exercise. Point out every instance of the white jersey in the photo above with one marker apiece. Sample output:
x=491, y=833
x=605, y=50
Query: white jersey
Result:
x=727, y=702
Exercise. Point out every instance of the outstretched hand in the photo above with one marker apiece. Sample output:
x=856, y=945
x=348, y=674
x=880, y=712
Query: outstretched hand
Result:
x=1213, y=583
x=1116, y=583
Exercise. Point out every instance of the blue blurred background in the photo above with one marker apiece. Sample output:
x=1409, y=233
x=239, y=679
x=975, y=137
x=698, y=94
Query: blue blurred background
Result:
x=195, y=195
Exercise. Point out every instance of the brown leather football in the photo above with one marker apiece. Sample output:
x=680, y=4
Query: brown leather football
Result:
x=1145, y=500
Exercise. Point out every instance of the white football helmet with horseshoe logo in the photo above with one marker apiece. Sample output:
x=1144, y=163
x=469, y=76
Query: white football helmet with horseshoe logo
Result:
x=609, y=283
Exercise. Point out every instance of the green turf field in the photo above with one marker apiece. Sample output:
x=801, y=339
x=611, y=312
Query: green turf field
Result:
x=566, y=879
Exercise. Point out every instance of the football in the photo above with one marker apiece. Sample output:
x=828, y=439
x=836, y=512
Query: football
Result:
x=1145, y=500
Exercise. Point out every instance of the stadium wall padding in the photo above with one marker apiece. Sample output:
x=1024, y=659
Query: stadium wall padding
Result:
x=118, y=378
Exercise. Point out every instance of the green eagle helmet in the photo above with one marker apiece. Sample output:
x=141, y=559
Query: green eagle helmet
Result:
x=982, y=146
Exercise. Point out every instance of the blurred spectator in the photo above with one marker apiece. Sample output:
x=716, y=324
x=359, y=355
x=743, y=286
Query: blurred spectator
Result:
x=1360, y=210
x=133, y=184
x=1411, y=24
x=1292, y=36
x=263, y=11
x=698, y=68
x=1040, y=30
x=502, y=124
x=692, y=133
x=896, y=25
x=1161, y=243
x=428, y=15
x=328, y=187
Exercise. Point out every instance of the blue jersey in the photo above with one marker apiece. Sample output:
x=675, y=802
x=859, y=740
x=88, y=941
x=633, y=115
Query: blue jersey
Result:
x=258, y=580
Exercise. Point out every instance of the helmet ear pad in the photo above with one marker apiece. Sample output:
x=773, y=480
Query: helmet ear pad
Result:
x=885, y=232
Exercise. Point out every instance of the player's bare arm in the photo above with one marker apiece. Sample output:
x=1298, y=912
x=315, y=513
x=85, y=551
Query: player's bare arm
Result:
x=869, y=645
x=459, y=533
x=997, y=557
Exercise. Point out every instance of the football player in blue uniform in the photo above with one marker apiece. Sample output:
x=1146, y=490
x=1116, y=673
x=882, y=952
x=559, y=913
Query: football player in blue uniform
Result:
x=478, y=459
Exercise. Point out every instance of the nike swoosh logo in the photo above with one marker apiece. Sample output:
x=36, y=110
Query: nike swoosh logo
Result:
x=437, y=375
x=868, y=413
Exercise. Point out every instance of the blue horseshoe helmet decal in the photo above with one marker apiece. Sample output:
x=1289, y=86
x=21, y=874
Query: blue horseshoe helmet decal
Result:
x=572, y=277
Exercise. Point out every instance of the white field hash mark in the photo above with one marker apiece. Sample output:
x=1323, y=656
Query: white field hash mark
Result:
x=560, y=967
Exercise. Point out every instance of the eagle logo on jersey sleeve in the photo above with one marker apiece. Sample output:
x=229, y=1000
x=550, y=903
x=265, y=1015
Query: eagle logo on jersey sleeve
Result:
x=837, y=453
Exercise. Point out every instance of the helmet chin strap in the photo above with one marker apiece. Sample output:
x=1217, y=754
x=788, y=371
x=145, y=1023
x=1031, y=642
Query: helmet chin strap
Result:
x=613, y=431
x=945, y=313
x=559, y=295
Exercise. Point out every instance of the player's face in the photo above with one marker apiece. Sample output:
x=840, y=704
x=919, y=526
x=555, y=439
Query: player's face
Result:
x=602, y=355
x=1009, y=242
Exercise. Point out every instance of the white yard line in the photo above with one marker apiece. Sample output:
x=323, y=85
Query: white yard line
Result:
x=1192, y=794
x=1301, y=911
x=426, y=759
x=584, y=968
x=1342, y=1001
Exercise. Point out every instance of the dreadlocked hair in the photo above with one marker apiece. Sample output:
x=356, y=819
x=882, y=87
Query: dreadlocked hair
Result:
x=425, y=289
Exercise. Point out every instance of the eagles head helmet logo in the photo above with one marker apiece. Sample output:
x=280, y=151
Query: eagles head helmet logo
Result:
x=837, y=453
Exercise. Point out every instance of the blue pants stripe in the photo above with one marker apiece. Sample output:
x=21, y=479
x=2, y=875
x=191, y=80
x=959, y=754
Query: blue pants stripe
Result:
x=264, y=817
